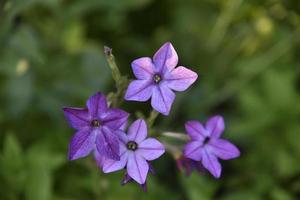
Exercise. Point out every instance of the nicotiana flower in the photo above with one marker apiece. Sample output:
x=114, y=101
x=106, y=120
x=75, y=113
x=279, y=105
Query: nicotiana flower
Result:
x=188, y=165
x=207, y=146
x=157, y=78
x=96, y=126
x=135, y=152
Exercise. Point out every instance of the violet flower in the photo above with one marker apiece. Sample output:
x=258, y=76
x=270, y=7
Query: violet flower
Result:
x=206, y=145
x=135, y=152
x=96, y=126
x=157, y=78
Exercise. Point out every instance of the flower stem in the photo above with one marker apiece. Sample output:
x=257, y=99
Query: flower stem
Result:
x=151, y=119
x=112, y=64
x=174, y=135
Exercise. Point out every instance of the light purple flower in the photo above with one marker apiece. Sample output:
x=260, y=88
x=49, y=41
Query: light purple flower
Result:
x=207, y=146
x=158, y=77
x=96, y=126
x=135, y=152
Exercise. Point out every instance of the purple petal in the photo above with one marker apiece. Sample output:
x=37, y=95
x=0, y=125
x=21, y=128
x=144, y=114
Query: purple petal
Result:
x=196, y=130
x=139, y=90
x=193, y=150
x=211, y=163
x=180, y=78
x=114, y=118
x=165, y=59
x=96, y=104
x=143, y=68
x=81, y=144
x=107, y=144
x=123, y=137
x=99, y=159
x=150, y=149
x=110, y=165
x=162, y=99
x=224, y=149
x=215, y=126
x=78, y=118
x=137, y=131
x=137, y=167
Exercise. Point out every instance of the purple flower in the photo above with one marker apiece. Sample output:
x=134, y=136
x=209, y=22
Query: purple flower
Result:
x=157, y=78
x=207, y=146
x=188, y=165
x=96, y=126
x=135, y=152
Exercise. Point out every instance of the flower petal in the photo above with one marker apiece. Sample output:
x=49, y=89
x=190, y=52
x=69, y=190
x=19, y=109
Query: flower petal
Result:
x=114, y=118
x=143, y=68
x=180, y=78
x=139, y=90
x=137, y=131
x=215, y=126
x=96, y=104
x=77, y=117
x=81, y=144
x=110, y=165
x=99, y=159
x=162, y=99
x=224, y=149
x=193, y=150
x=211, y=163
x=151, y=149
x=107, y=144
x=196, y=130
x=165, y=59
x=137, y=167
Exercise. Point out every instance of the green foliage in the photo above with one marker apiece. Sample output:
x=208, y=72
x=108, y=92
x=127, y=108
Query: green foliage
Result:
x=247, y=57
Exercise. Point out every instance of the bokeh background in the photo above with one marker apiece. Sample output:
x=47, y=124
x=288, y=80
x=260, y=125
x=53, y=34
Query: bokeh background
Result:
x=246, y=53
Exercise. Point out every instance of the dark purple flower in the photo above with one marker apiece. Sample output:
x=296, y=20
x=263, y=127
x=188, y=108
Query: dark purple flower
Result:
x=96, y=126
x=135, y=152
x=157, y=78
x=207, y=146
x=188, y=165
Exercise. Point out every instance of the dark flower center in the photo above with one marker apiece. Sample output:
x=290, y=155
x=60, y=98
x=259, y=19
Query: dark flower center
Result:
x=206, y=140
x=156, y=78
x=131, y=145
x=95, y=123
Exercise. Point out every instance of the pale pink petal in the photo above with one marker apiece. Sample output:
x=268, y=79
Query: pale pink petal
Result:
x=150, y=149
x=180, y=78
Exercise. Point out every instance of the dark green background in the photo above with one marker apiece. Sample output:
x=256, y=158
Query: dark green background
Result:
x=245, y=52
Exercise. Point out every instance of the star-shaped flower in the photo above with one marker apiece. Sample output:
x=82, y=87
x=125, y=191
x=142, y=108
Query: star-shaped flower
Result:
x=207, y=146
x=96, y=126
x=135, y=152
x=158, y=77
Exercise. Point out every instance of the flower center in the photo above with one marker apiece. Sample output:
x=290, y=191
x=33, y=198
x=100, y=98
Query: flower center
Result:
x=206, y=140
x=156, y=78
x=95, y=123
x=131, y=145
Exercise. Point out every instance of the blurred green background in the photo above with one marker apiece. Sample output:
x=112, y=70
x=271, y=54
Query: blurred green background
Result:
x=247, y=55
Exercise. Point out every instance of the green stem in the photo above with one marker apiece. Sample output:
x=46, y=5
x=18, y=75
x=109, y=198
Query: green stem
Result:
x=112, y=64
x=151, y=119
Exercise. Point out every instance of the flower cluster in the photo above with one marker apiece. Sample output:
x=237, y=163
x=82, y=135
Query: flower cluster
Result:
x=101, y=130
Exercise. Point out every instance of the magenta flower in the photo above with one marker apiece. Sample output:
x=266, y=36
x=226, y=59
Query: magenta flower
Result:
x=96, y=126
x=157, y=78
x=135, y=152
x=206, y=145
